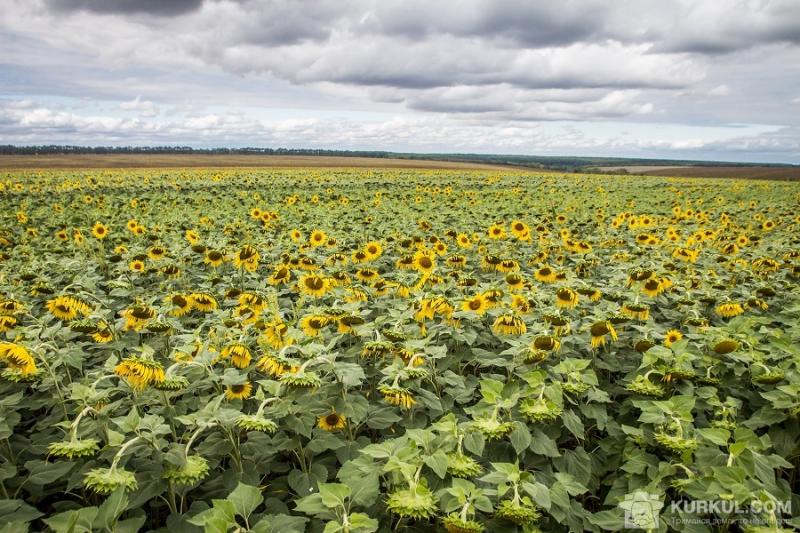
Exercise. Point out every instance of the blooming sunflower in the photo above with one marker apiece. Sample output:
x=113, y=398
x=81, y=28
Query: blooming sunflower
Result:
x=496, y=231
x=671, y=337
x=247, y=258
x=476, y=304
x=137, y=265
x=100, y=231
x=424, y=262
x=333, y=421
x=280, y=275
x=373, y=249
x=317, y=238
x=240, y=391
x=180, y=304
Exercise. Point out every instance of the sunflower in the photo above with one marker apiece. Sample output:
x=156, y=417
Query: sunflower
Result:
x=7, y=323
x=140, y=372
x=317, y=238
x=313, y=285
x=373, y=250
x=476, y=304
x=274, y=366
x=496, y=231
x=729, y=309
x=192, y=236
x=214, y=258
x=333, y=421
x=599, y=330
x=103, y=334
x=637, y=311
x=520, y=229
x=180, y=304
x=515, y=282
x=203, y=302
x=239, y=355
x=137, y=265
x=652, y=287
x=136, y=317
x=276, y=334
x=424, y=262
x=247, y=258
x=545, y=274
x=157, y=253
x=671, y=337
x=509, y=324
x=566, y=298
x=240, y=391
x=280, y=275
x=395, y=395
x=68, y=307
x=62, y=235
x=312, y=324
x=99, y=231
x=463, y=240
x=18, y=359
x=367, y=275
x=295, y=235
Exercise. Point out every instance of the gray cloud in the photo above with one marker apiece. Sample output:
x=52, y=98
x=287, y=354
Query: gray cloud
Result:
x=127, y=7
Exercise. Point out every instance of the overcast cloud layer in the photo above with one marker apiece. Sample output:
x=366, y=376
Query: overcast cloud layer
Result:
x=714, y=79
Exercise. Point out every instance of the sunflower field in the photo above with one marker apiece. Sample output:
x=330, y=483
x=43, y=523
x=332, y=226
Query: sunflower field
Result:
x=357, y=350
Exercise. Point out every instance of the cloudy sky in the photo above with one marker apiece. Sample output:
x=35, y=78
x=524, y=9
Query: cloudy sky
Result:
x=701, y=79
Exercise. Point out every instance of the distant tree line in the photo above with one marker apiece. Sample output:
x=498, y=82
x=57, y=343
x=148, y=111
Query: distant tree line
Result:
x=562, y=163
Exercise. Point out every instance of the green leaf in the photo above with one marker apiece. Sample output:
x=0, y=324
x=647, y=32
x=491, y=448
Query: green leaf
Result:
x=280, y=523
x=544, y=445
x=571, y=484
x=42, y=472
x=438, y=462
x=245, y=499
x=334, y=494
x=111, y=509
x=717, y=436
x=520, y=438
x=362, y=523
x=75, y=521
x=573, y=423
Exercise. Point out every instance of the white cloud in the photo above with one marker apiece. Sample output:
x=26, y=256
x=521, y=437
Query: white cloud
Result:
x=145, y=108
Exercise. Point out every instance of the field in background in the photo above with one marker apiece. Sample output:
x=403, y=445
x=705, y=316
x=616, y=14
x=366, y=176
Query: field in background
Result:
x=11, y=162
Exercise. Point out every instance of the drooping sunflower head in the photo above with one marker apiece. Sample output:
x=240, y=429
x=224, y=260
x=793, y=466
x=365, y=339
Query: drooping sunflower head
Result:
x=509, y=324
x=566, y=298
x=314, y=285
x=203, y=302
